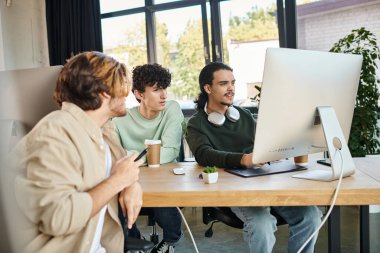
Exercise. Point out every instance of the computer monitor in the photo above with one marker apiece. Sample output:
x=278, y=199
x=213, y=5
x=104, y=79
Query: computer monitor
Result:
x=306, y=106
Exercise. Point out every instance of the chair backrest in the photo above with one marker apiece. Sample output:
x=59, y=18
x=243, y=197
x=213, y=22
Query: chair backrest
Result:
x=26, y=95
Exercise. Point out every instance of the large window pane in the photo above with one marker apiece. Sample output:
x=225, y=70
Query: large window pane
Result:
x=249, y=27
x=124, y=39
x=117, y=5
x=165, y=1
x=180, y=48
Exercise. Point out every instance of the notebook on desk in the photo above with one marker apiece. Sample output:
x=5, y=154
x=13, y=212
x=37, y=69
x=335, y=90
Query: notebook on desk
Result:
x=274, y=168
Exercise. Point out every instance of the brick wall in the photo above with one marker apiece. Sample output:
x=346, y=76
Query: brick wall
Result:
x=320, y=31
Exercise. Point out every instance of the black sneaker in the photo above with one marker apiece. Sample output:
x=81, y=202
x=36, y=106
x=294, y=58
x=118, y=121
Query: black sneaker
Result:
x=163, y=247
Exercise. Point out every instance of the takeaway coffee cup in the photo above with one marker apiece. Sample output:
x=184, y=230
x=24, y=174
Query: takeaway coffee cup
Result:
x=301, y=160
x=153, y=155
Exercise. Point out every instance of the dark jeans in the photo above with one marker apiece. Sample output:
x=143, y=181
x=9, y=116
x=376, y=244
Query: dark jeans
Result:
x=168, y=218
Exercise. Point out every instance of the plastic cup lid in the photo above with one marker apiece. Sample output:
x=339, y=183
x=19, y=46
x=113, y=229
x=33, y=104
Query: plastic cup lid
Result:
x=152, y=142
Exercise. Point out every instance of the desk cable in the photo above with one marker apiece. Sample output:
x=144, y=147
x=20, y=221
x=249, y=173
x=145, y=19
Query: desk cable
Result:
x=332, y=204
x=188, y=229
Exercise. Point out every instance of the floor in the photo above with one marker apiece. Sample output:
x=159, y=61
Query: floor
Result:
x=227, y=239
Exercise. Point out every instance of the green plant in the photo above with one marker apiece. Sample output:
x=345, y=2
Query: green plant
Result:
x=364, y=130
x=210, y=169
x=257, y=97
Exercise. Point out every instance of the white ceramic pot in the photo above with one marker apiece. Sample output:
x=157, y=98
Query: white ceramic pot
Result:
x=210, y=178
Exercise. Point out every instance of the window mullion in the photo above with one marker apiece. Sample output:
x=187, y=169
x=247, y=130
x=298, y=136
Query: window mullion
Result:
x=150, y=32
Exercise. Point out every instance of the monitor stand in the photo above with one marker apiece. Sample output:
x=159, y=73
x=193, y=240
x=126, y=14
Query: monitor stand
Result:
x=335, y=140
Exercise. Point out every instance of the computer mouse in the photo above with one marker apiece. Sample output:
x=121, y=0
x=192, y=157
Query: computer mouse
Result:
x=178, y=171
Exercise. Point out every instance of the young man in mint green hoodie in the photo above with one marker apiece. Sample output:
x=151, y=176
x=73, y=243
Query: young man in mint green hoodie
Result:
x=155, y=119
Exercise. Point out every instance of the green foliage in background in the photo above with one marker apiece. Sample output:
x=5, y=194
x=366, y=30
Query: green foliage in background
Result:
x=364, y=130
x=163, y=45
x=189, y=61
x=133, y=47
x=133, y=50
x=185, y=58
x=258, y=24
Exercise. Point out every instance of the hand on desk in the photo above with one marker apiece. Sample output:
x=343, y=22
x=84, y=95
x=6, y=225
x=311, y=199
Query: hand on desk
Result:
x=246, y=161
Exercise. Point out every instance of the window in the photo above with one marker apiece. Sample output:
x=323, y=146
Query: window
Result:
x=117, y=5
x=236, y=32
x=124, y=38
x=249, y=27
x=165, y=1
x=180, y=47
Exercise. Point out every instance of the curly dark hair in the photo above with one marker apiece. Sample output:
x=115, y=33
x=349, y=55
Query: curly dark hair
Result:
x=205, y=77
x=149, y=75
x=86, y=75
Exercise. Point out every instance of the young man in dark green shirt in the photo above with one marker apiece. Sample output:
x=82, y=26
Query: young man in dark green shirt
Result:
x=222, y=135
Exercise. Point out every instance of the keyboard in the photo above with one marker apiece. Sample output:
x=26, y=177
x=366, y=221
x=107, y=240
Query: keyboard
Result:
x=274, y=168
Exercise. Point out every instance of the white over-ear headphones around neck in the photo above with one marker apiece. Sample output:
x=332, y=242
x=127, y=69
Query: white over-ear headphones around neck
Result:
x=218, y=119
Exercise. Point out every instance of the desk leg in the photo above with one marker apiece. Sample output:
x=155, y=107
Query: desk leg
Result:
x=334, y=231
x=364, y=229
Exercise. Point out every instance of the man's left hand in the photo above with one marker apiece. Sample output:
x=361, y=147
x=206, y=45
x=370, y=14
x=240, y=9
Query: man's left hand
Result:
x=130, y=200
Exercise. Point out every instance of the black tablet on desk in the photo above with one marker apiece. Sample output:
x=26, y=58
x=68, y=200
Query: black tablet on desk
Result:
x=274, y=168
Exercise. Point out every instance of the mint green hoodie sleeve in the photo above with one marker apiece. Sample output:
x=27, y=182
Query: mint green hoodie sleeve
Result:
x=172, y=133
x=133, y=129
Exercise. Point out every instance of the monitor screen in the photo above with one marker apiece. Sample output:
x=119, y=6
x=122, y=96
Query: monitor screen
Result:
x=296, y=83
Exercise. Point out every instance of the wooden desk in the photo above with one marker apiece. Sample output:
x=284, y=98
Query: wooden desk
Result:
x=162, y=189
x=369, y=166
x=272, y=190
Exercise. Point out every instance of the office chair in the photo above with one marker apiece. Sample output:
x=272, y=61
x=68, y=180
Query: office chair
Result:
x=135, y=244
x=148, y=211
x=226, y=216
x=132, y=242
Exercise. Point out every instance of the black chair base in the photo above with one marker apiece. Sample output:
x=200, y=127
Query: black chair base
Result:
x=132, y=241
x=134, y=244
x=148, y=211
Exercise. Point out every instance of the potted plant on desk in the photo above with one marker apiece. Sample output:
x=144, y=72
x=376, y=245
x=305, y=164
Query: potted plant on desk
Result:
x=210, y=174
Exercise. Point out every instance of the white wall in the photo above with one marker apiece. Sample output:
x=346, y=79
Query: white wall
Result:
x=23, y=38
x=321, y=30
x=2, y=64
